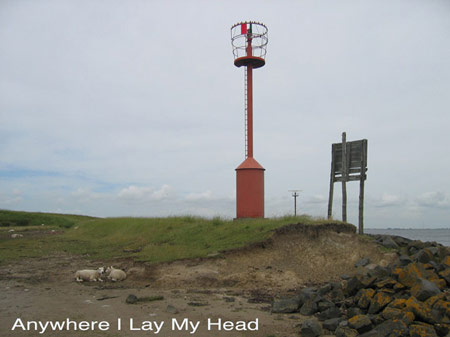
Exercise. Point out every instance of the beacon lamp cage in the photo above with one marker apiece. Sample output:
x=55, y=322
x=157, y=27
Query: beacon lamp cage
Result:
x=245, y=34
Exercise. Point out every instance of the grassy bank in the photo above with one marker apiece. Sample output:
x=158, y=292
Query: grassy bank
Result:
x=144, y=239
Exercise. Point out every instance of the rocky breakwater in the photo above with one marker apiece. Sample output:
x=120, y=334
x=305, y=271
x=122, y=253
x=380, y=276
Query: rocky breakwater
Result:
x=409, y=297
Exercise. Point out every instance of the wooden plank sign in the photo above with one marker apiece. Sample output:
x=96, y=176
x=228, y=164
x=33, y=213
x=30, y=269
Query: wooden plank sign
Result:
x=348, y=163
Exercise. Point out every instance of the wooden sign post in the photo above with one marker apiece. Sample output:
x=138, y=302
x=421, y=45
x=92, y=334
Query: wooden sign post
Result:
x=348, y=163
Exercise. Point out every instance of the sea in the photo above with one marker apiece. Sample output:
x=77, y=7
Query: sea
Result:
x=441, y=235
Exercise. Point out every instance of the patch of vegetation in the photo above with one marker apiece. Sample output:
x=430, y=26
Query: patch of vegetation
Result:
x=22, y=219
x=143, y=239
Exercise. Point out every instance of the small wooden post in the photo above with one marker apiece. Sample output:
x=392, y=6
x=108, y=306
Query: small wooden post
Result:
x=344, y=177
x=330, y=196
x=361, y=186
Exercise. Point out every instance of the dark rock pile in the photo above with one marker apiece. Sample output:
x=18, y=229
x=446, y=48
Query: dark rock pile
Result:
x=409, y=297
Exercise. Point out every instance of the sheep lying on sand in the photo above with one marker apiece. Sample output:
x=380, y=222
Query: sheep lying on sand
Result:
x=115, y=274
x=89, y=275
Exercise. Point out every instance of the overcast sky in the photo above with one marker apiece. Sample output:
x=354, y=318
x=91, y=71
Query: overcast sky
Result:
x=135, y=108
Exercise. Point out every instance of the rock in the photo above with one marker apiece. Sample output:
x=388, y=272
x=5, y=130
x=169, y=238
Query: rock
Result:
x=286, y=305
x=371, y=333
x=309, y=308
x=378, y=302
x=324, y=305
x=306, y=294
x=424, y=289
x=131, y=299
x=345, y=277
x=404, y=260
x=361, y=323
x=408, y=275
x=401, y=241
x=386, y=283
x=337, y=295
x=392, y=328
x=311, y=328
x=364, y=297
x=353, y=311
x=420, y=310
x=171, y=309
x=332, y=323
x=346, y=332
x=353, y=285
x=445, y=274
x=392, y=313
x=333, y=312
x=379, y=272
x=416, y=330
x=388, y=242
x=363, y=262
x=325, y=289
x=423, y=256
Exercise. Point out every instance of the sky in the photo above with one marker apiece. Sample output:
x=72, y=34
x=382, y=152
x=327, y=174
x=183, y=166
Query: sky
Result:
x=135, y=108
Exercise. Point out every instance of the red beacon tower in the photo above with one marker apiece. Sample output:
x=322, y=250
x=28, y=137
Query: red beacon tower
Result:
x=249, y=41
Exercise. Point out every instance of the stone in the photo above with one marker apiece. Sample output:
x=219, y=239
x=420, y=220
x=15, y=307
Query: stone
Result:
x=424, y=289
x=404, y=260
x=353, y=285
x=364, y=297
x=324, y=305
x=363, y=262
x=406, y=317
x=325, y=289
x=392, y=328
x=306, y=294
x=331, y=324
x=286, y=305
x=386, y=283
x=378, y=302
x=333, y=312
x=416, y=330
x=379, y=272
x=420, y=310
x=388, y=242
x=401, y=241
x=361, y=323
x=131, y=299
x=171, y=309
x=371, y=333
x=346, y=332
x=445, y=274
x=423, y=256
x=408, y=275
x=353, y=311
x=311, y=328
x=309, y=308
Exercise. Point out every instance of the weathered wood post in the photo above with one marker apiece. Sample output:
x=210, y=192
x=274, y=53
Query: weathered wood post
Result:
x=330, y=196
x=344, y=177
x=362, y=178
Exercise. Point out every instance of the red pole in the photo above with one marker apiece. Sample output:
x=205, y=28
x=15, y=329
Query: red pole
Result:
x=250, y=101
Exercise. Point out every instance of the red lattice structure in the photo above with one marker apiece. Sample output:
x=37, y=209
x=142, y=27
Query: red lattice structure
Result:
x=249, y=40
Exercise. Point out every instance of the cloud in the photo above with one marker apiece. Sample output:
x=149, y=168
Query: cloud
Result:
x=388, y=200
x=85, y=195
x=12, y=198
x=132, y=193
x=206, y=195
x=165, y=192
x=436, y=199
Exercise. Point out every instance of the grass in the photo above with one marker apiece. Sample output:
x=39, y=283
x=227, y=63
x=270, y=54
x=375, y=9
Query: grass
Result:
x=143, y=239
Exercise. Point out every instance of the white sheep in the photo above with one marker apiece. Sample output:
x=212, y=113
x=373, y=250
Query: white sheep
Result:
x=115, y=274
x=89, y=275
x=15, y=236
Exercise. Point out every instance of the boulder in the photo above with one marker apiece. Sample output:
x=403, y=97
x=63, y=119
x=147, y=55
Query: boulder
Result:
x=353, y=311
x=364, y=297
x=333, y=312
x=378, y=302
x=423, y=256
x=363, y=262
x=331, y=324
x=361, y=323
x=424, y=289
x=306, y=294
x=345, y=332
x=309, y=308
x=420, y=310
x=388, y=242
x=404, y=260
x=418, y=330
x=408, y=275
x=392, y=328
x=311, y=328
x=392, y=313
x=353, y=285
x=286, y=305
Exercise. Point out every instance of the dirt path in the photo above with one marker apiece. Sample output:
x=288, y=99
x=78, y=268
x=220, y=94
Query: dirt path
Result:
x=238, y=286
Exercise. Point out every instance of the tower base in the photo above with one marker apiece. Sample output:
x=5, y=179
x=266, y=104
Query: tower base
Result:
x=250, y=189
